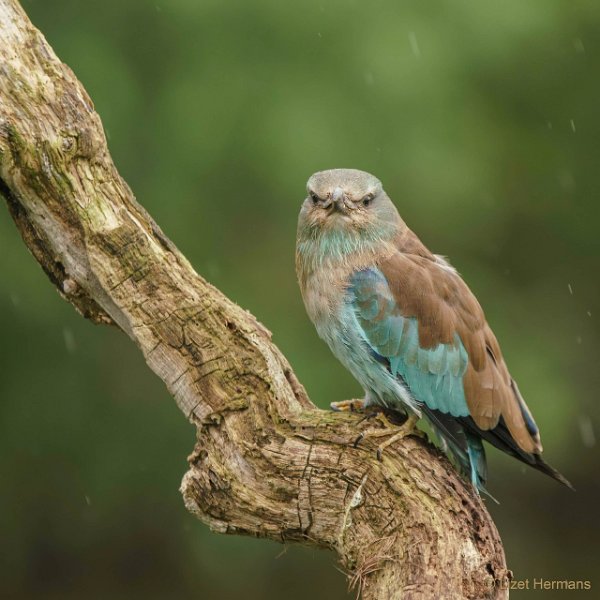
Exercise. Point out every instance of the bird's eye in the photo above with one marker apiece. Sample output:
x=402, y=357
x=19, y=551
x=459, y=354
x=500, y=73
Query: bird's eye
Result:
x=368, y=199
x=314, y=197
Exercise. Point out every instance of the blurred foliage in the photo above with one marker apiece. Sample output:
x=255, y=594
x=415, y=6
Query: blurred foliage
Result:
x=481, y=118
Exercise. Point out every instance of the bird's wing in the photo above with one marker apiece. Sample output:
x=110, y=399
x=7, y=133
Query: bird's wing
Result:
x=418, y=314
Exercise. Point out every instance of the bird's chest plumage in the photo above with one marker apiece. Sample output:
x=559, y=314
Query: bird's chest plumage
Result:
x=324, y=293
x=327, y=306
x=329, y=303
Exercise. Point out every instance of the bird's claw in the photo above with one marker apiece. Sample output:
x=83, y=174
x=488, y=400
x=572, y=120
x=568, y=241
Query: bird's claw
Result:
x=395, y=432
x=358, y=440
x=348, y=406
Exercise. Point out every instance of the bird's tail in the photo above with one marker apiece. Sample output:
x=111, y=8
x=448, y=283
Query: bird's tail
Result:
x=465, y=450
x=541, y=465
x=502, y=439
x=477, y=462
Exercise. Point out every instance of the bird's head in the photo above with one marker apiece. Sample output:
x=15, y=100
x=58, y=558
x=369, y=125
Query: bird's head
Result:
x=346, y=201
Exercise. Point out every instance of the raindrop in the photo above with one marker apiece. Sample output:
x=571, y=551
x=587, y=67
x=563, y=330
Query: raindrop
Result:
x=87, y=500
x=589, y=313
x=573, y=125
x=586, y=429
x=578, y=45
x=14, y=298
x=570, y=289
x=212, y=268
x=566, y=180
x=69, y=340
x=414, y=45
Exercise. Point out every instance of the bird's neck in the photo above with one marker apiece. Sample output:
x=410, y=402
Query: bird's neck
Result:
x=349, y=251
x=337, y=248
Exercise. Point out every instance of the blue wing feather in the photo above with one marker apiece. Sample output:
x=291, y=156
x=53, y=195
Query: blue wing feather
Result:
x=433, y=375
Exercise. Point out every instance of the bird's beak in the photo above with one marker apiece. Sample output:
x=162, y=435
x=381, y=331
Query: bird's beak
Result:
x=337, y=198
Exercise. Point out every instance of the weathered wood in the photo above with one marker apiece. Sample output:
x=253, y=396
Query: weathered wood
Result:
x=267, y=463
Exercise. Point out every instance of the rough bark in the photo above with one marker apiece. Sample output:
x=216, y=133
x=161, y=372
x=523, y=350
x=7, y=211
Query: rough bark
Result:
x=267, y=462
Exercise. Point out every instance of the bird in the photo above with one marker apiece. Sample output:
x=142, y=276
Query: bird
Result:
x=408, y=328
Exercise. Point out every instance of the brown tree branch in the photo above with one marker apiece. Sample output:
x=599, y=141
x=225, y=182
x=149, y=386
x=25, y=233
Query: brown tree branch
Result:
x=267, y=463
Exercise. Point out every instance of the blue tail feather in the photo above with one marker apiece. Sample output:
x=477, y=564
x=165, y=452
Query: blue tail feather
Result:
x=462, y=447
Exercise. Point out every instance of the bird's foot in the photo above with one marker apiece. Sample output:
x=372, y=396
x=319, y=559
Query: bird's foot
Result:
x=396, y=432
x=348, y=406
x=407, y=428
x=369, y=411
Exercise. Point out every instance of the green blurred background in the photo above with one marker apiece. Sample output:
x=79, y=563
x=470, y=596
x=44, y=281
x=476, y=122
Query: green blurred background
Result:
x=483, y=121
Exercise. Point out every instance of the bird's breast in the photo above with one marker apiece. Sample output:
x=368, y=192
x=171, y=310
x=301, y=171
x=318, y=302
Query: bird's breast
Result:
x=323, y=293
x=324, y=279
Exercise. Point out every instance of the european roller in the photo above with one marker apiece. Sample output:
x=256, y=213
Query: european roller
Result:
x=407, y=327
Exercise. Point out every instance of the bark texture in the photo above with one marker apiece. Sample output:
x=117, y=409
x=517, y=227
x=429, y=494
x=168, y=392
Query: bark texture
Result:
x=267, y=462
